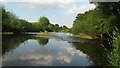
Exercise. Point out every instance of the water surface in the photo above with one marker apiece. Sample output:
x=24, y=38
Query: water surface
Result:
x=60, y=50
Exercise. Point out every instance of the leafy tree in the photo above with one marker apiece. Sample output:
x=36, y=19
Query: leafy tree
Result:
x=85, y=23
x=25, y=25
x=56, y=28
x=9, y=21
x=44, y=22
x=109, y=8
x=65, y=29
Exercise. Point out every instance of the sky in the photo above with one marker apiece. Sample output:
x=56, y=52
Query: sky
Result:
x=58, y=12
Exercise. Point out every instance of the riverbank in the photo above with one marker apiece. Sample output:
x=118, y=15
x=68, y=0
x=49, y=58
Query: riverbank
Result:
x=39, y=33
x=80, y=35
x=45, y=34
x=86, y=36
x=7, y=33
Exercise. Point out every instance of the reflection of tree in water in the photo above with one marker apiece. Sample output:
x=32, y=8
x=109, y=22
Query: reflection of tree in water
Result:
x=94, y=50
x=43, y=41
x=10, y=42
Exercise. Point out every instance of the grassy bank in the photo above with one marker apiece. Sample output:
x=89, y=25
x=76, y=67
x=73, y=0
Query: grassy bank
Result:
x=45, y=34
x=86, y=36
x=7, y=33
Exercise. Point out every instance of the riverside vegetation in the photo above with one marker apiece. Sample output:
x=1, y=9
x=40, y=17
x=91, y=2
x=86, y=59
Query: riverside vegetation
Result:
x=102, y=22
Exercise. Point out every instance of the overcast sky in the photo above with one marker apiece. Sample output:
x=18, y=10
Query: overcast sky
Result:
x=58, y=12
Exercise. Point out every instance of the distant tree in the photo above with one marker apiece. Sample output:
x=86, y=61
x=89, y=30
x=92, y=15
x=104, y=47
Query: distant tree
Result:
x=51, y=28
x=25, y=25
x=57, y=28
x=56, y=25
x=65, y=28
x=43, y=22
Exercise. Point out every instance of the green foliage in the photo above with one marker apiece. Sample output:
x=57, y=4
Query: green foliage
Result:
x=36, y=27
x=109, y=8
x=25, y=26
x=43, y=23
x=85, y=23
x=102, y=20
x=114, y=56
x=9, y=21
x=106, y=25
x=65, y=29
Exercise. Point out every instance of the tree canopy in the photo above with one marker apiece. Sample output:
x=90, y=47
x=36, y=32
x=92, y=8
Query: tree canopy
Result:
x=103, y=19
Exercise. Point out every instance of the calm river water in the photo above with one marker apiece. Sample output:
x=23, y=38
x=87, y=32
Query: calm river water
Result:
x=60, y=50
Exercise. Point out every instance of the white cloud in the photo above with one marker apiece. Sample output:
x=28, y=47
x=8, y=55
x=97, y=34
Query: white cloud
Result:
x=44, y=5
x=45, y=1
x=81, y=9
x=66, y=59
x=39, y=59
x=72, y=51
x=59, y=0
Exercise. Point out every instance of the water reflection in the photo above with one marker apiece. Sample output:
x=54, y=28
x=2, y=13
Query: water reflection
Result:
x=30, y=50
x=10, y=42
x=96, y=52
x=43, y=41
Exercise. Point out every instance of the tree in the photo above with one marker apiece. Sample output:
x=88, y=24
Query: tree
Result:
x=43, y=22
x=65, y=29
x=109, y=8
x=85, y=23
x=9, y=21
x=56, y=28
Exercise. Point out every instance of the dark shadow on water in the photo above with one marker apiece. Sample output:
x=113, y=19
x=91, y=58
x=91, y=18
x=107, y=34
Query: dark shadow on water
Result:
x=10, y=42
x=97, y=53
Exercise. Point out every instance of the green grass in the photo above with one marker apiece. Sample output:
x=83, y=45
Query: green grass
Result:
x=7, y=33
x=45, y=34
x=86, y=36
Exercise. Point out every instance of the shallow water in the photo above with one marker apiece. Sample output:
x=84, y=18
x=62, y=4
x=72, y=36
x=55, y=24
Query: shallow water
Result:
x=60, y=50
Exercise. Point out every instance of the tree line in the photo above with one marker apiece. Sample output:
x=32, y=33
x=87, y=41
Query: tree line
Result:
x=11, y=23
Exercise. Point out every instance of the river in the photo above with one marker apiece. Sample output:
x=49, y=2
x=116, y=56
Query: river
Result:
x=60, y=50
